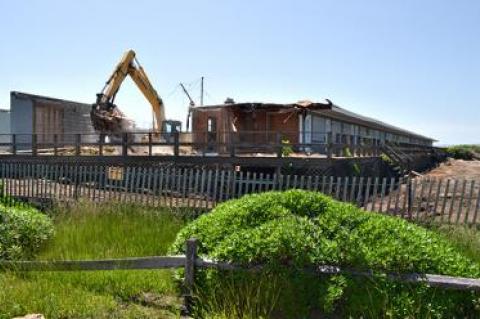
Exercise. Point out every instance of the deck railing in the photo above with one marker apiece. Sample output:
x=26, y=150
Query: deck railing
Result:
x=248, y=143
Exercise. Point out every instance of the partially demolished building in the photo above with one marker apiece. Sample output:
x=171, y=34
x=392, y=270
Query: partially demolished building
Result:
x=303, y=122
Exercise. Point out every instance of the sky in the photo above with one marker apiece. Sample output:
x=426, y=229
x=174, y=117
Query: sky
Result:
x=414, y=64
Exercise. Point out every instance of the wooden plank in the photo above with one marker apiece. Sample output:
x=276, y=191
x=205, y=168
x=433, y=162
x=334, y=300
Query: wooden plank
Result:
x=352, y=189
x=94, y=183
x=444, y=204
x=222, y=186
x=208, y=199
x=195, y=188
x=345, y=188
x=360, y=192
x=460, y=206
x=234, y=184
x=324, y=183
x=254, y=183
x=437, y=197
x=406, y=196
x=239, y=184
x=287, y=182
x=338, y=186
x=167, y=196
x=191, y=177
x=469, y=201
x=216, y=177
x=374, y=194
x=382, y=193
x=149, y=186
x=330, y=186
x=295, y=181
x=429, y=197
x=155, y=192
x=316, y=183
x=477, y=208
x=302, y=182
x=309, y=183
x=423, y=182
x=390, y=194
x=156, y=262
x=160, y=186
x=229, y=185
x=452, y=202
x=367, y=193
x=202, y=187
x=412, y=197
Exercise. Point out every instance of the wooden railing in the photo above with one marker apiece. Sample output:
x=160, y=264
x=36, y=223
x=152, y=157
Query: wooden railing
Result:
x=191, y=261
x=264, y=144
x=418, y=199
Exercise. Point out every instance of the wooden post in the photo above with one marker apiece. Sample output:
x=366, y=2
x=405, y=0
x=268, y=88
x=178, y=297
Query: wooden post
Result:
x=176, y=145
x=150, y=150
x=101, y=141
x=55, y=144
x=125, y=144
x=189, y=281
x=78, y=139
x=14, y=144
x=232, y=145
x=34, y=144
x=409, y=198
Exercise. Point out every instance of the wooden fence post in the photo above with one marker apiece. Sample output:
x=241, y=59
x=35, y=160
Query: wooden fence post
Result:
x=34, y=144
x=78, y=140
x=189, y=281
x=176, y=145
x=101, y=142
x=55, y=144
x=14, y=144
x=125, y=144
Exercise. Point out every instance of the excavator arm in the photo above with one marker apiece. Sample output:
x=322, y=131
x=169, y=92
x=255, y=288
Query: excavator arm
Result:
x=105, y=115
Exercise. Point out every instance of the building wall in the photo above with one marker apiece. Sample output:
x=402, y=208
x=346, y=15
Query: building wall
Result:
x=21, y=118
x=4, y=126
x=45, y=116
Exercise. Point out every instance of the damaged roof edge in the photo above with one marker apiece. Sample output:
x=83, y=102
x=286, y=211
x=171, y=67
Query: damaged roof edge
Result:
x=22, y=95
x=253, y=105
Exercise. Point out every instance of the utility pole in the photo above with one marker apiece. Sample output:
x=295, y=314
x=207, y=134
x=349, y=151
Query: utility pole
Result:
x=201, y=92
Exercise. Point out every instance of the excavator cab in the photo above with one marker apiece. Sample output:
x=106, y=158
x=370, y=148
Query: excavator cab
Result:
x=169, y=128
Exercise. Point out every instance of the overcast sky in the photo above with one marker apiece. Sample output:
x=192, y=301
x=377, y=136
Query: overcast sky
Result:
x=414, y=64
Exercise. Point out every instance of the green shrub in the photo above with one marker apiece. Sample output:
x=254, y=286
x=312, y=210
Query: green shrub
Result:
x=23, y=230
x=299, y=228
x=465, y=152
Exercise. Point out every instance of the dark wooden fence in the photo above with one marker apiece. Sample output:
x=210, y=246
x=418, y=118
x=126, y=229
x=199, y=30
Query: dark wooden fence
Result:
x=191, y=261
x=419, y=199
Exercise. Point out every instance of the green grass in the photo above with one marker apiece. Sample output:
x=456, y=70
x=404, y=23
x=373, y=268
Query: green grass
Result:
x=467, y=239
x=107, y=231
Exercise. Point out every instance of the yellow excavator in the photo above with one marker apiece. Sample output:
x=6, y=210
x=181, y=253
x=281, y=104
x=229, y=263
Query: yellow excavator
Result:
x=105, y=115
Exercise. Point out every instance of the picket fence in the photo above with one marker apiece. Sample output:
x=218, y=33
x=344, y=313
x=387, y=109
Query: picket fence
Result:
x=419, y=199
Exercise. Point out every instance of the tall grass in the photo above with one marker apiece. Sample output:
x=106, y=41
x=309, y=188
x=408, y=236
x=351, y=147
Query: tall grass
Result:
x=97, y=232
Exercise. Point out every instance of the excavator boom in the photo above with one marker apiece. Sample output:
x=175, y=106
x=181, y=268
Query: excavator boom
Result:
x=105, y=115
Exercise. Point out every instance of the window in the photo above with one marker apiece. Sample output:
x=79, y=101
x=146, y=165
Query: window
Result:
x=212, y=124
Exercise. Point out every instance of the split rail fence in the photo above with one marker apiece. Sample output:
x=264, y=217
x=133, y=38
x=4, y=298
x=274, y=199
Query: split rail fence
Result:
x=191, y=261
x=419, y=199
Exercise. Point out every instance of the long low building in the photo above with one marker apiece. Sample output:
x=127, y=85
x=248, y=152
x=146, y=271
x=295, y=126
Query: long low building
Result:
x=303, y=122
x=46, y=116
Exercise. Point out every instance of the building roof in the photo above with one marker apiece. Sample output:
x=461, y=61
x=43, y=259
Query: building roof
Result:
x=327, y=109
x=339, y=113
x=260, y=105
x=22, y=95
